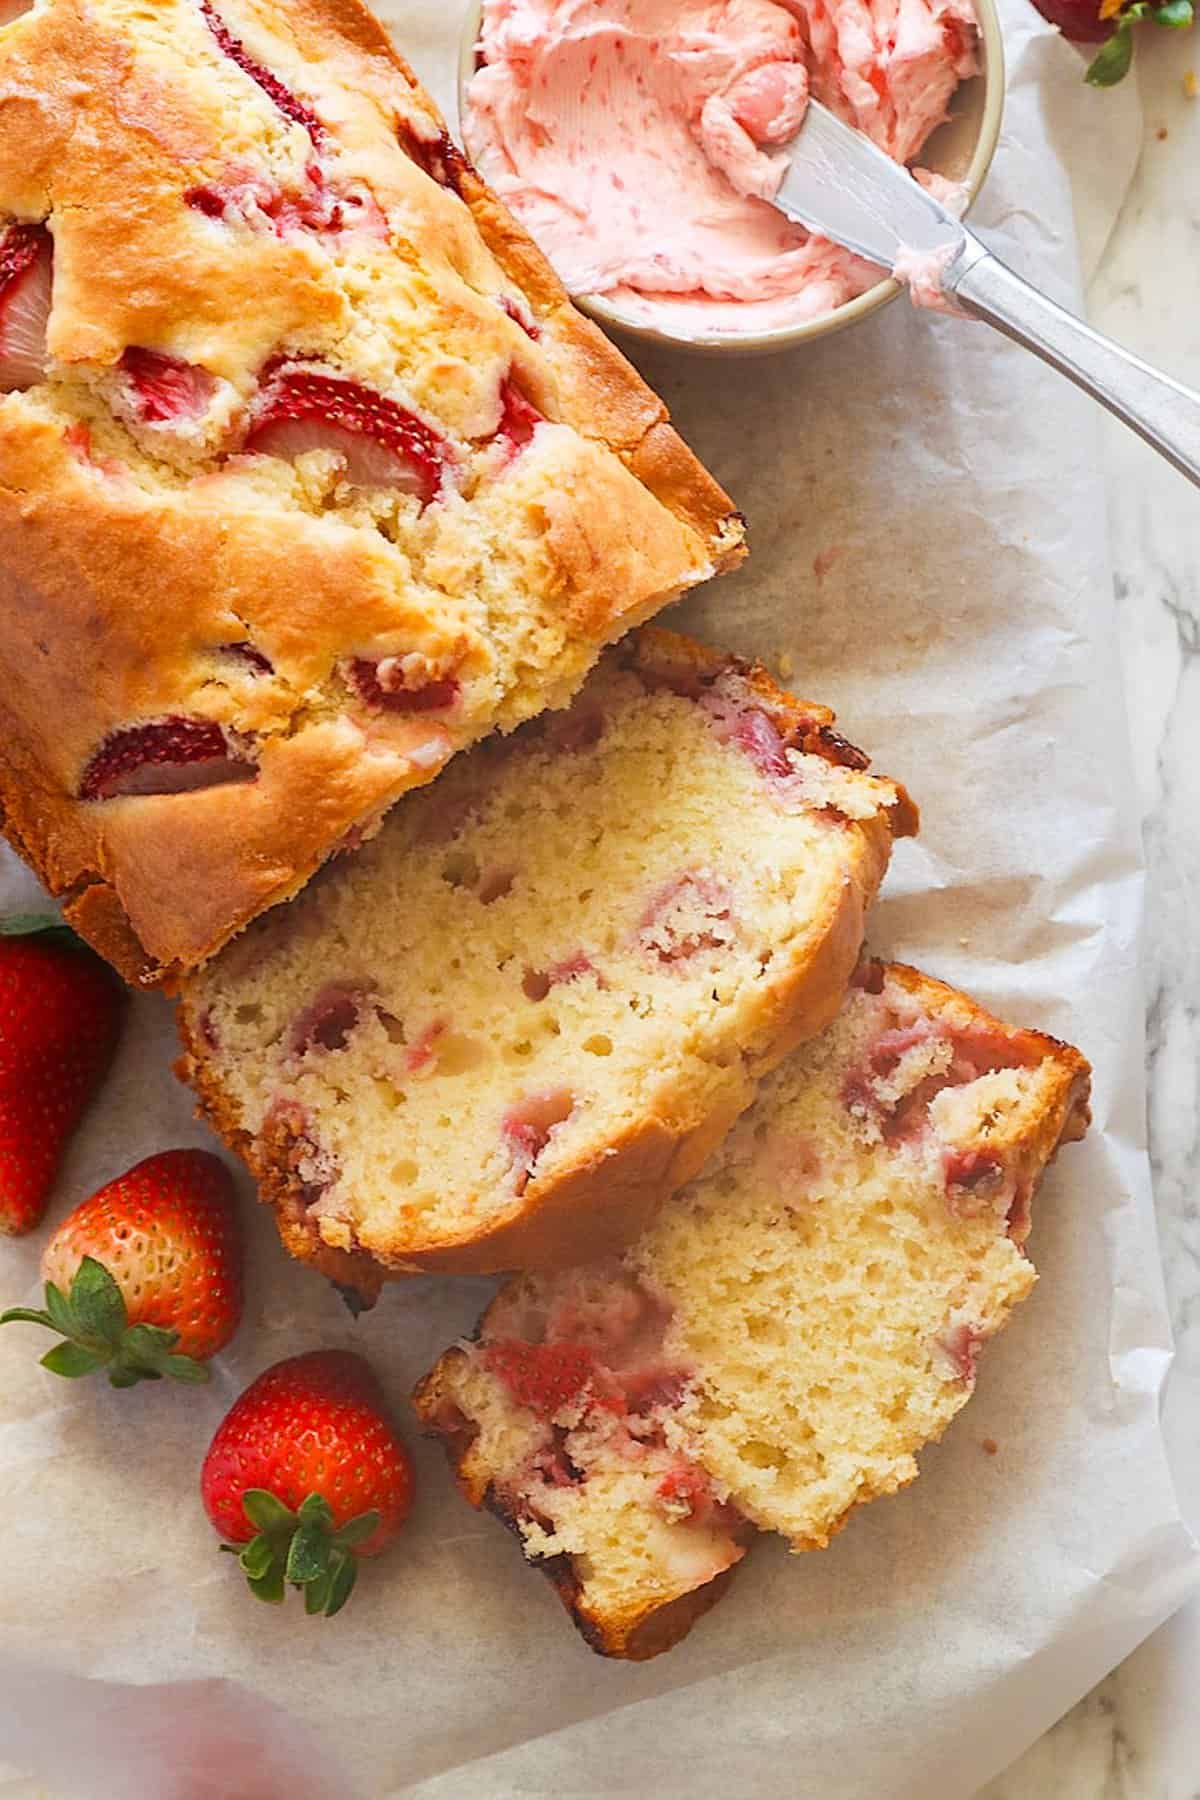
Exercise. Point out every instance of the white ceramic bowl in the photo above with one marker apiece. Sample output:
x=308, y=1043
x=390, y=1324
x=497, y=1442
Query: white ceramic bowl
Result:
x=961, y=149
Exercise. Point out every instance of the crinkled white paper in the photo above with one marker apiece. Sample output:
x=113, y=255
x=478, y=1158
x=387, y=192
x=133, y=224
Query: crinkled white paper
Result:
x=927, y=523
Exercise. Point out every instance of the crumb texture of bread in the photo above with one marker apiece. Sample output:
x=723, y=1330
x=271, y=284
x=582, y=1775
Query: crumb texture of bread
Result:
x=310, y=474
x=532, y=1004
x=790, y=1329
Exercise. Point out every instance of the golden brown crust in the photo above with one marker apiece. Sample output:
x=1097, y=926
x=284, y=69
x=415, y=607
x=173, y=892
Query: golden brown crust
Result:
x=267, y=1159
x=1066, y=1104
x=125, y=571
x=652, y=1629
x=685, y=663
x=597, y=1205
x=1064, y=1093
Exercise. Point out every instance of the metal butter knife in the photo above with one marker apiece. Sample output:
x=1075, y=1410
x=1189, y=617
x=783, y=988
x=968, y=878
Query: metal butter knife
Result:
x=840, y=185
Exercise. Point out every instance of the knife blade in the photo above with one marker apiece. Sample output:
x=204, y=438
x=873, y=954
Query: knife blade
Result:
x=842, y=186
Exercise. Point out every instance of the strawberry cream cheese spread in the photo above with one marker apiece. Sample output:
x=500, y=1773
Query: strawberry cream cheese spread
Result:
x=638, y=139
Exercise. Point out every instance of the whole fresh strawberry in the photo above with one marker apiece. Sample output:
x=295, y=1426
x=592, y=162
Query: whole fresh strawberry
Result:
x=60, y=1017
x=144, y=1279
x=305, y=1475
x=1110, y=24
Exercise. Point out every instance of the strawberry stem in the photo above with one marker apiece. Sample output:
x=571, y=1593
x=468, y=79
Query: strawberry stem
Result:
x=300, y=1549
x=94, y=1323
x=43, y=925
x=1112, y=61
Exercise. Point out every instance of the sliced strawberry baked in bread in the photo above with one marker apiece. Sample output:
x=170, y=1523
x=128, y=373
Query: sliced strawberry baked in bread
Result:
x=310, y=474
x=498, y=1033
x=789, y=1330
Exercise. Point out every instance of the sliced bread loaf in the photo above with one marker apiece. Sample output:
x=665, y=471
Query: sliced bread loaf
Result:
x=789, y=1330
x=496, y=1035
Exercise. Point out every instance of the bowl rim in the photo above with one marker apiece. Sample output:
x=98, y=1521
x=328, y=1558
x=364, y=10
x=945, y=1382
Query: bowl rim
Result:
x=851, y=312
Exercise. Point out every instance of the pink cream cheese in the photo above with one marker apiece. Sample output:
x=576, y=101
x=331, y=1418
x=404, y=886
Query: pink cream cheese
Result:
x=636, y=139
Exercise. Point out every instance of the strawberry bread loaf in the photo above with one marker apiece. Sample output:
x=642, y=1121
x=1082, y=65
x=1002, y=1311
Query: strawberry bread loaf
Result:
x=539, y=997
x=309, y=473
x=789, y=1330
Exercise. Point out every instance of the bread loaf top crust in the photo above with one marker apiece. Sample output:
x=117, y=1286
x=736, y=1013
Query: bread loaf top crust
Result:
x=309, y=472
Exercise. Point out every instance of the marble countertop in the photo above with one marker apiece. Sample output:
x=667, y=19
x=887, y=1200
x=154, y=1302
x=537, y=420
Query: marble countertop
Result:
x=1137, y=1735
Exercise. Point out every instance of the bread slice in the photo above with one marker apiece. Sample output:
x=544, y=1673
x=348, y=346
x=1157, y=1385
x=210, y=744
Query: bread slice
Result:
x=788, y=1331
x=310, y=474
x=501, y=1031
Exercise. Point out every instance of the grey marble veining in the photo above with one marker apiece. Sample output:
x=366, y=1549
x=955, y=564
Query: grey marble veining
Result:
x=1137, y=1736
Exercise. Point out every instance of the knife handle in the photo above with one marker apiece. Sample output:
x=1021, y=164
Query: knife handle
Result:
x=1162, y=411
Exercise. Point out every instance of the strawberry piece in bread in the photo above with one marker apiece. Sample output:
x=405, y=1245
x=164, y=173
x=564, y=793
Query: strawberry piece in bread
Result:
x=163, y=387
x=26, y=277
x=379, y=442
x=166, y=756
x=275, y=90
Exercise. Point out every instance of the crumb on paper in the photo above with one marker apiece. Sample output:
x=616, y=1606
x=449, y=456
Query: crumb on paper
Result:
x=1162, y=134
x=964, y=943
x=989, y=1446
x=824, y=560
x=1191, y=86
x=786, y=665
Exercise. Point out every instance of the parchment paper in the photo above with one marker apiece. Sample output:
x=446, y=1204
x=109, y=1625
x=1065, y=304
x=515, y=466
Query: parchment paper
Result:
x=949, y=490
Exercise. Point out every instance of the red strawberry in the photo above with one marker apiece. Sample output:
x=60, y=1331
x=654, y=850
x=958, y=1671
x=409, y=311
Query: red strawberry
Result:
x=165, y=387
x=518, y=418
x=536, y=983
x=972, y=1169
x=263, y=203
x=328, y=1020
x=1110, y=24
x=381, y=443
x=256, y=661
x=691, y=914
x=421, y=1053
x=434, y=696
x=26, y=278
x=544, y=1377
x=270, y=84
x=244, y=198
x=60, y=1017
x=145, y=1277
x=957, y=1350
x=166, y=756
x=734, y=721
x=529, y=1125
x=520, y=315
x=1077, y=19
x=685, y=1490
x=439, y=156
x=307, y=1473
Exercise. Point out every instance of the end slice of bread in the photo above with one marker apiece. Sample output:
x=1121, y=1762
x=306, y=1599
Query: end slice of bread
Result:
x=789, y=1330
x=495, y=1036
